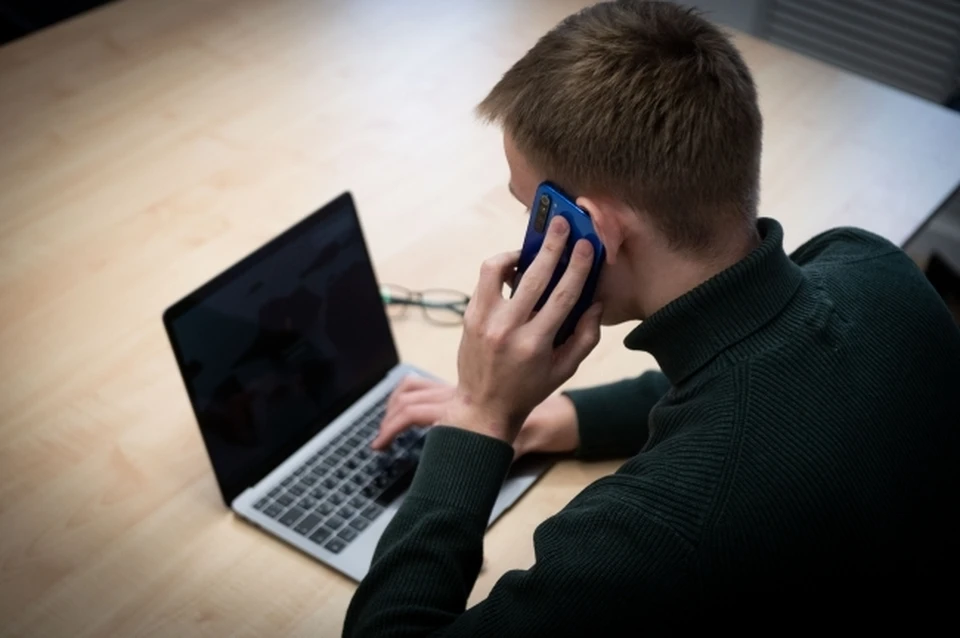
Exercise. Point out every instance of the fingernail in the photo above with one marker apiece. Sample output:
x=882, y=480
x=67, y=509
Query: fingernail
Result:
x=558, y=225
x=584, y=248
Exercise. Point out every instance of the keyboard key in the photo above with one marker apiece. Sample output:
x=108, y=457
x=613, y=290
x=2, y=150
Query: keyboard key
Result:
x=372, y=512
x=262, y=503
x=335, y=523
x=328, y=461
x=330, y=483
x=346, y=511
x=287, y=481
x=313, y=459
x=347, y=534
x=363, y=454
x=309, y=479
x=273, y=511
x=358, y=502
x=297, y=490
x=371, y=469
x=307, y=524
x=354, y=441
x=336, y=499
x=401, y=466
x=359, y=479
x=324, y=508
x=273, y=493
x=342, y=473
x=292, y=516
x=344, y=450
x=370, y=491
x=285, y=499
x=306, y=503
x=348, y=488
x=398, y=487
x=335, y=546
x=318, y=492
x=359, y=523
x=352, y=464
x=299, y=471
x=320, y=535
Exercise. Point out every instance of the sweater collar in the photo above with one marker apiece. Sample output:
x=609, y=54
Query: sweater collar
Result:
x=687, y=333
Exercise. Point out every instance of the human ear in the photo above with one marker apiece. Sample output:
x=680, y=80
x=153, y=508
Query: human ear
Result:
x=607, y=225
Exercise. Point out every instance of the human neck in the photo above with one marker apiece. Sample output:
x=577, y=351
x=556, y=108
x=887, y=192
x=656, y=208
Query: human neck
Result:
x=663, y=275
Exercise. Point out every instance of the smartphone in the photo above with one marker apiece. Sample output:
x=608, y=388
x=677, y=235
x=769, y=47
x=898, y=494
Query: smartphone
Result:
x=549, y=202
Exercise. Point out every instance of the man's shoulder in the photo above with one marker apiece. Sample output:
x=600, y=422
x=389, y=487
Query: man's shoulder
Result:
x=865, y=274
x=843, y=245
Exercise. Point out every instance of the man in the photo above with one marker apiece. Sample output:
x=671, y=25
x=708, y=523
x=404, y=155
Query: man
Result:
x=795, y=460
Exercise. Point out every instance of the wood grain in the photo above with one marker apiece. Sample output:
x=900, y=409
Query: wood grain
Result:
x=148, y=145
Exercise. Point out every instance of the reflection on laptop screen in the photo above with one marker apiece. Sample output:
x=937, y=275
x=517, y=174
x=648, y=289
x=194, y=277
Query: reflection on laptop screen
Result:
x=275, y=348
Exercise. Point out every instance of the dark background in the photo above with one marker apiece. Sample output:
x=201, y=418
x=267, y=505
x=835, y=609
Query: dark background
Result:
x=22, y=17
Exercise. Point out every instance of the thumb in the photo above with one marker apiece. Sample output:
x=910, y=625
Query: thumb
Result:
x=584, y=339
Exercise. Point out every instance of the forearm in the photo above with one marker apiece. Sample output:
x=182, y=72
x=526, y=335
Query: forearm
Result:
x=612, y=418
x=599, y=563
x=429, y=556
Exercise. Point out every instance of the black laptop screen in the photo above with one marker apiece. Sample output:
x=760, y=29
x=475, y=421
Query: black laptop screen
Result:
x=276, y=347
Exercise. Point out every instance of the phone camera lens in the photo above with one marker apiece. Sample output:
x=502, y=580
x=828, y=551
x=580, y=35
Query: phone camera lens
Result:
x=543, y=208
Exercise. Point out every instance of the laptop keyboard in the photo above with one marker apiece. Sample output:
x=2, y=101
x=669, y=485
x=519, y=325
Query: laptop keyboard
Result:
x=341, y=489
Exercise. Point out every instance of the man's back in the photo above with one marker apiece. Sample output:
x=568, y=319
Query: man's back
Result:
x=810, y=454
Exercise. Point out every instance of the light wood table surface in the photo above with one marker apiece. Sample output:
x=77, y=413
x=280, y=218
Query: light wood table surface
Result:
x=148, y=145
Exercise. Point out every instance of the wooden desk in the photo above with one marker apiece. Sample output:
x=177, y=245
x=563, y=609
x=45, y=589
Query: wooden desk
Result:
x=148, y=145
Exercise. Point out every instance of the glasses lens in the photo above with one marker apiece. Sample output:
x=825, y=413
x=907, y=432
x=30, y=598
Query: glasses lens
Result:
x=445, y=307
x=396, y=299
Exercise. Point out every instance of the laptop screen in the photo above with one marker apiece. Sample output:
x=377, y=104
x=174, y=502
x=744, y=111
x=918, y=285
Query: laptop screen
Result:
x=280, y=344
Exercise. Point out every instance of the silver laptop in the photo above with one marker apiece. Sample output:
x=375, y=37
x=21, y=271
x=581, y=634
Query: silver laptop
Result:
x=288, y=361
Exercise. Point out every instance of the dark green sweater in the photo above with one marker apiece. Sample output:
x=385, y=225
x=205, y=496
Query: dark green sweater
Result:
x=795, y=463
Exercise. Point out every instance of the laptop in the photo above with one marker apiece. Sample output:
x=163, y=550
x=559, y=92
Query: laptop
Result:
x=288, y=361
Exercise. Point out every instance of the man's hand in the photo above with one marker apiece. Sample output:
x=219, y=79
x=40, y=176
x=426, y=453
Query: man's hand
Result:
x=550, y=428
x=507, y=363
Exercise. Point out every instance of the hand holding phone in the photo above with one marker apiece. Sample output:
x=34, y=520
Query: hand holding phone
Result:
x=548, y=203
x=508, y=362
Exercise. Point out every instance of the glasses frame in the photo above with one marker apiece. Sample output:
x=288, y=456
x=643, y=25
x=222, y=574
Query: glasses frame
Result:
x=393, y=295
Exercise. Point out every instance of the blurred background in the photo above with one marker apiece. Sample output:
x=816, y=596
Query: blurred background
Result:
x=912, y=45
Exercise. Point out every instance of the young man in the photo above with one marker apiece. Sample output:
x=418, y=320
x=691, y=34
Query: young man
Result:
x=795, y=460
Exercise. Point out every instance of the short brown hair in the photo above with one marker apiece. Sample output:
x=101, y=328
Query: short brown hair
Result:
x=646, y=101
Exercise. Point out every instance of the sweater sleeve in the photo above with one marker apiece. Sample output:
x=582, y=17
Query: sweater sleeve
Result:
x=612, y=418
x=587, y=558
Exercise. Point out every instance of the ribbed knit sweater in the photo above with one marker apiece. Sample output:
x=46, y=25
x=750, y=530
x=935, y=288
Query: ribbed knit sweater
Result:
x=793, y=465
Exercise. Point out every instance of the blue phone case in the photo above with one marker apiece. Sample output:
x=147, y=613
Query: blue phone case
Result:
x=581, y=227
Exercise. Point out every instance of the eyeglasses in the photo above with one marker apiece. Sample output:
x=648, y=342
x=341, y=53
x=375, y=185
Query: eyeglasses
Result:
x=442, y=307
